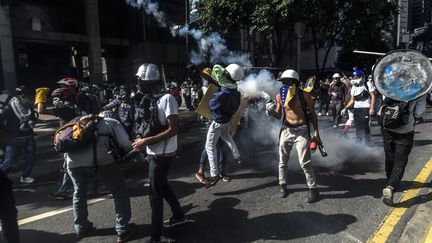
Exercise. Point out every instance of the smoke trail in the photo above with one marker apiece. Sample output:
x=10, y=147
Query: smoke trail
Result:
x=213, y=45
x=261, y=85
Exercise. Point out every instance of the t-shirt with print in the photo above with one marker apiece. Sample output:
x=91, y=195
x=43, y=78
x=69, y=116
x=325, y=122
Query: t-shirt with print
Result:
x=167, y=106
x=358, y=90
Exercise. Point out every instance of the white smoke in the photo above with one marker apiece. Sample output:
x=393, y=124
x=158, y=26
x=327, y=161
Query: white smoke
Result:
x=261, y=85
x=213, y=45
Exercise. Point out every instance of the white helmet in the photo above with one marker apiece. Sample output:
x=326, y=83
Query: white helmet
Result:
x=336, y=75
x=148, y=72
x=289, y=74
x=236, y=72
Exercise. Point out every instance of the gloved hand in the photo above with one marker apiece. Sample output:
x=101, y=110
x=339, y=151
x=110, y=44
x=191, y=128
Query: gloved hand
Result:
x=343, y=112
x=41, y=95
x=333, y=94
x=270, y=107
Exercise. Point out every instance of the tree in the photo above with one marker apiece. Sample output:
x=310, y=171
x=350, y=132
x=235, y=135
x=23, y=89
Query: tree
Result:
x=272, y=19
x=423, y=41
x=370, y=25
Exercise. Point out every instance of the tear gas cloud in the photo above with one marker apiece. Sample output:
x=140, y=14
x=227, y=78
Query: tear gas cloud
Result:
x=213, y=45
x=261, y=85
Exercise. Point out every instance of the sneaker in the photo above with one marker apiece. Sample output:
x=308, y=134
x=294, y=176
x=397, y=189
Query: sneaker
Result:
x=327, y=114
x=334, y=126
x=238, y=161
x=212, y=182
x=85, y=232
x=201, y=178
x=283, y=192
x=319, y=114
x=313, y=196
x=225, y=178
x=174, y=221
x=26, y=180
x=388, y=196
x=58, y=196
x=126, y=235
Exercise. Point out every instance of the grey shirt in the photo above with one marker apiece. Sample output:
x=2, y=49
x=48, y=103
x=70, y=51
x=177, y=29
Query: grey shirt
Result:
x=107, y=128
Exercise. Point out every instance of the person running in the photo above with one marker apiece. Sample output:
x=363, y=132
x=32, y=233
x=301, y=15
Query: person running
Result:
x=363, y=102
x=291, y=105
x=223, y=105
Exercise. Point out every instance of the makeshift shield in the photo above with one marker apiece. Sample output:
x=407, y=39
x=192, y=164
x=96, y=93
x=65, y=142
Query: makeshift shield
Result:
x=403, y=75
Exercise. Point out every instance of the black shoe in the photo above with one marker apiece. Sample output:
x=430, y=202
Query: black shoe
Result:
x=313, y=195
x=388, y=196
x=58, y=196
x=174, y=221
x=126, y=235
x=283, y=192
x=212, y=182
x=85, y=232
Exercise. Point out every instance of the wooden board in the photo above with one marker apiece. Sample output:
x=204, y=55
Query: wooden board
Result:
x=203, y=107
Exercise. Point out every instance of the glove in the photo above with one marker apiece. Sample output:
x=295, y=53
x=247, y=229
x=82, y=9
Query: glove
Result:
x=41, y=95
x=270, y=107
x=343, y=112
x=333, y=94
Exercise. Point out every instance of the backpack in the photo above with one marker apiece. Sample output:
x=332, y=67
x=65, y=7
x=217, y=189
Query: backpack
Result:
x=393, y=114
x=76, y=134
x=147, y=119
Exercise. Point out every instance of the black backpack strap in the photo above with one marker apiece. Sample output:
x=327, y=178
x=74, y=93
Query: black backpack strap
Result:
x=304, y=108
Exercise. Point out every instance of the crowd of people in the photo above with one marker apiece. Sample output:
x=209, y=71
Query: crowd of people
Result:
x=143, y=119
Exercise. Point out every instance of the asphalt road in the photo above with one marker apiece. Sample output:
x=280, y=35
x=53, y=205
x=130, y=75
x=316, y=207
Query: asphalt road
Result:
x=248, y=208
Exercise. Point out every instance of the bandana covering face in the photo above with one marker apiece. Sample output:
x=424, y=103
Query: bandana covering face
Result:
x=287, y=93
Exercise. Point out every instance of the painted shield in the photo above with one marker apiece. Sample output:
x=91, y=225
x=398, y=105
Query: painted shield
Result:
x=403, y=75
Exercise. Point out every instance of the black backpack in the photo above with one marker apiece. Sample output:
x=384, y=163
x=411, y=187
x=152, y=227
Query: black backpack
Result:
x=147, y=120
x=393, y=113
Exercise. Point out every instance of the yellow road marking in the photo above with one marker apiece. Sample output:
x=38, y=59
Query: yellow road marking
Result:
x=391, y=220
x=55, y=212
x=428, y=238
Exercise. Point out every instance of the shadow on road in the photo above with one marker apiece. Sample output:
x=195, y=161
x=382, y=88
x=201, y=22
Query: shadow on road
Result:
x=222, y=222
x=43, y=236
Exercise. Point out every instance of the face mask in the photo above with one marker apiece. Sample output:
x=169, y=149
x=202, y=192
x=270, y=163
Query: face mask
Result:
x=357, y=82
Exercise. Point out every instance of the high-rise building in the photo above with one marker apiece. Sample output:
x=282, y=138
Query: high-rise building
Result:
x=421, y=13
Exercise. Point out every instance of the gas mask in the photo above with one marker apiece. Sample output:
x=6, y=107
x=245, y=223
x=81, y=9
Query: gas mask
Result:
x=357, y=81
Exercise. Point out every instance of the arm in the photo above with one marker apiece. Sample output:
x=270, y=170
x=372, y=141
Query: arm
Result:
x=41, y=109
x=310, y=107
x=350, y=103
x=172, y=123
x=278, y=112
x=372, y=105
x=122, y=137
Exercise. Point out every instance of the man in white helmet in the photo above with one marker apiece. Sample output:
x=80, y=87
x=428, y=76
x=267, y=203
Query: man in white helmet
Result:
x=292, y=105
x=160, y=141
x=224, y=103
x=337, y=92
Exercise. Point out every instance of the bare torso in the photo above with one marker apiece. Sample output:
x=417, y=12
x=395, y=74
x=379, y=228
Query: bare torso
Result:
x=294, y=114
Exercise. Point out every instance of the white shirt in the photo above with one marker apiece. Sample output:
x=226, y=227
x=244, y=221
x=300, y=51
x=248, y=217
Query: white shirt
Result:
x=167, y=106
x=358, y=90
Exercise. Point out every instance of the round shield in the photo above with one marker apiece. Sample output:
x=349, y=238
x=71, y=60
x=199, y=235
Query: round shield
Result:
x=403, y=75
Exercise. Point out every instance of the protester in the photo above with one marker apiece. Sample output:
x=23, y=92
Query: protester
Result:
x=363, y=102
x=65, y=109
x=223, y=105
x=398, y=142
x=337, y=92
x=161, y=145
x=292, y=105
x=97, y=160
x=324, y=97
x=186, y=89
x=8, y=211
x=20, y=119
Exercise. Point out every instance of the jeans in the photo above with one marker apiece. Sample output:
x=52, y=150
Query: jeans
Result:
x=8, y=211
x=397, y=148
x=336, y=109
x=66, y=180
x=361, y=121
x=12, y=152
x=215, y=132
x=297, y=136
x=159, y=190
x=221, y=158
x=112, y=177
x=324, y=101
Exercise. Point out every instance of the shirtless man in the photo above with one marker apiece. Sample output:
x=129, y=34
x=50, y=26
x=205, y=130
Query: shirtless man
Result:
x=294, y=131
